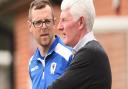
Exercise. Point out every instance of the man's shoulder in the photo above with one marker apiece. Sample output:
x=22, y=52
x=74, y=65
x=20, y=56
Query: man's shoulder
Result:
x=30, y=60
x=94, y=45
x=94, y=48
x=34, y=56
x=63, y=50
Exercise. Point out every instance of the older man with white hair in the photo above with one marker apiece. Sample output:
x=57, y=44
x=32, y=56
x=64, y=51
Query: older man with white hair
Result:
x=90, y=68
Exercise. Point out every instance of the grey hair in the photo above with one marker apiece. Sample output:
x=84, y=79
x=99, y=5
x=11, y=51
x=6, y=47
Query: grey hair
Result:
x=80, y=8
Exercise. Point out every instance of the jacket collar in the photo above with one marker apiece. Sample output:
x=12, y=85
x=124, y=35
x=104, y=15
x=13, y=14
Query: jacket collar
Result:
x=51, y=49
x=88, y=37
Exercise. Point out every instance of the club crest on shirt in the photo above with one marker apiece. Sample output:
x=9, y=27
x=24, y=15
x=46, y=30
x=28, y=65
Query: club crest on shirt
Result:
x=53, y=67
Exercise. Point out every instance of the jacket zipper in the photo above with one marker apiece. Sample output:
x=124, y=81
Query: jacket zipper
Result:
x=43, y=65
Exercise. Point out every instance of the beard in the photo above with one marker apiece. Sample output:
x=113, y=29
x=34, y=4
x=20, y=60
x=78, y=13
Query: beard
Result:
x=45, y=41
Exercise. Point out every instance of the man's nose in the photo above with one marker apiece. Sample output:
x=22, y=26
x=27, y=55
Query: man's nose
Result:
x=44, y=25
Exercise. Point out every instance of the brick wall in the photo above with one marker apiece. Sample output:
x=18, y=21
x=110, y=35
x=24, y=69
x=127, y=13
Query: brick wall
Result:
x=124, y=7
x=22, y=50
x=115, y=45
x=105, y=7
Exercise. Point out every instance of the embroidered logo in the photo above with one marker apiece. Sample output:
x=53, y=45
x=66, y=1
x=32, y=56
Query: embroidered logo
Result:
x=34, y=68
x=53, y=67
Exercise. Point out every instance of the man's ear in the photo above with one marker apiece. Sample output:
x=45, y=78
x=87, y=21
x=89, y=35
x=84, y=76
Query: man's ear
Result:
x=81, y=22
x=29, y=25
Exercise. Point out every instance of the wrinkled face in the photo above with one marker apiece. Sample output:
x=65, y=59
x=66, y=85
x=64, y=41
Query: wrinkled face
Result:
x=42, y=26
x=69, y=28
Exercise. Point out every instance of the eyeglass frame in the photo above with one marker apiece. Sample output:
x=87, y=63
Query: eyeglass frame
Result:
x=48, y=23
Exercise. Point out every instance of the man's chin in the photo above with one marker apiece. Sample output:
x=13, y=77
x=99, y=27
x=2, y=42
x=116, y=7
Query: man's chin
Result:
x=68, y=44
x=44, y=45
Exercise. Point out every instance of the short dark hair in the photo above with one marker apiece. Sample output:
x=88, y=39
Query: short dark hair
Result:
x=39, y=4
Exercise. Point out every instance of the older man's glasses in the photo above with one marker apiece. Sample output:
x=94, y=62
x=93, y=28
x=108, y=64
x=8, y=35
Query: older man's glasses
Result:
x=39, y=24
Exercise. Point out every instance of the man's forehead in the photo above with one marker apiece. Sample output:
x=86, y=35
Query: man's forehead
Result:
x=66, y=14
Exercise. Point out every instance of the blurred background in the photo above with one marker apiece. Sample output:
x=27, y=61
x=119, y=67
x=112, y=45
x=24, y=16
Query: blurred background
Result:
x=17, y=44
